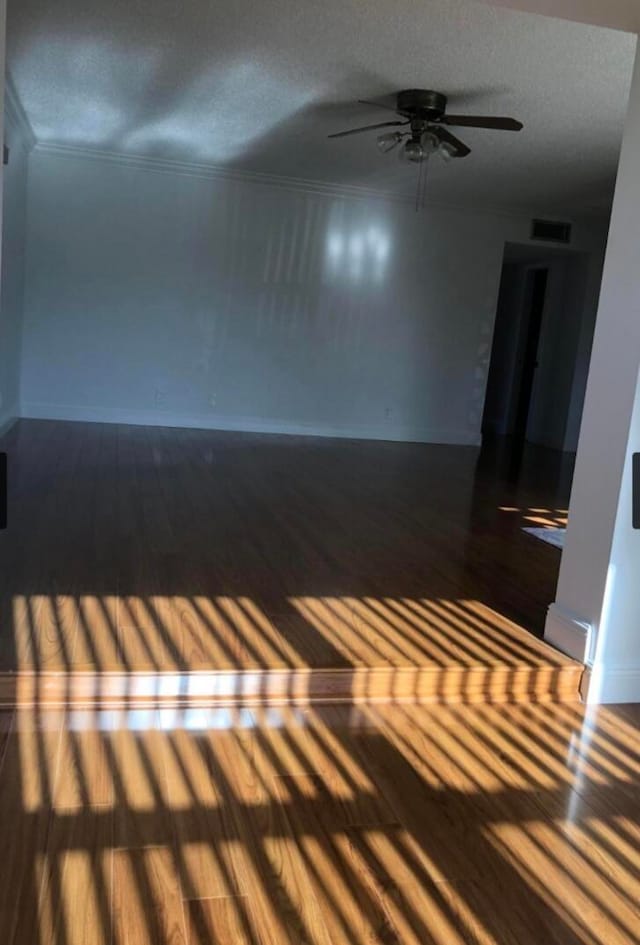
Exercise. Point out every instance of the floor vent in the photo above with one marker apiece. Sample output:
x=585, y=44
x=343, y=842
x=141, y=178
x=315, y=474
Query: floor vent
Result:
x=550, y=231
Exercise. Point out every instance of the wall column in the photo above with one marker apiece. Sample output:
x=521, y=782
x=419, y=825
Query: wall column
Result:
x=596, y=615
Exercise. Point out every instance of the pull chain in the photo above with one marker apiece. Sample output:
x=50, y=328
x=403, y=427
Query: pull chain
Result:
x=421, y=191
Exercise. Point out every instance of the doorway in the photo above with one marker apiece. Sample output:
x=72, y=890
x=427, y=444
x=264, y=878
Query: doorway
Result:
x=541, y=344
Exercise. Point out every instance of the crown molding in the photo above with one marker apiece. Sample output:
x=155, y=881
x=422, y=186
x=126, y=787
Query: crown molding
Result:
x=218, y=172
x=299, y=185
x=16, y=115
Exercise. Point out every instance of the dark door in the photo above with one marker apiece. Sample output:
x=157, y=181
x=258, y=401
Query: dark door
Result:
x=530, y=354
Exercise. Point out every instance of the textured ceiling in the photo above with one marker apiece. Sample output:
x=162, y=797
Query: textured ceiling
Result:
x=259, y=85
x=618, y=14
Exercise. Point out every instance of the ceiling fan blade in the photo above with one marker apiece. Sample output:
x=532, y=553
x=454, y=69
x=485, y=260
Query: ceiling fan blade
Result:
x=461, y=149
x=357, y=131
x=480, y=121
x=365, y=101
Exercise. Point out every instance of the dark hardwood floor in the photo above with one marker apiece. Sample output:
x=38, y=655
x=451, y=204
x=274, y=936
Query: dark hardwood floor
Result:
x=155, y=549
x=162, y=823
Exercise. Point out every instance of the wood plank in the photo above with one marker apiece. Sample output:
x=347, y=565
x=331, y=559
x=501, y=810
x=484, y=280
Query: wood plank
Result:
x=222, y=919
x=26, y=788
x=76, y=869
x=424, y=912
x=147, y=902
x=213, y=861
x=349, y=910
x=362, y=686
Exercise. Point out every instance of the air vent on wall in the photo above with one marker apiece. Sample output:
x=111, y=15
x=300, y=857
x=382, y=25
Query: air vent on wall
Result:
x=550, y=231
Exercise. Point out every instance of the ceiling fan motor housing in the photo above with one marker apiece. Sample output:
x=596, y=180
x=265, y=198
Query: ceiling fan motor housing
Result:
x=422, y=104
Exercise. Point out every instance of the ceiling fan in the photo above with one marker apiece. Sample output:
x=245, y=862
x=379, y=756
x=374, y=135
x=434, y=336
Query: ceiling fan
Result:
x=422, y=113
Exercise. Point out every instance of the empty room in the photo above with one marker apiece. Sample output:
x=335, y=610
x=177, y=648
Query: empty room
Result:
x=320, y=473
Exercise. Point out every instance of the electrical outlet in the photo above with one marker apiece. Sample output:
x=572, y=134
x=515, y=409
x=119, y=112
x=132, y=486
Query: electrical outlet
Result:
x=387, y=413
x=212, y=400
x=161, y=397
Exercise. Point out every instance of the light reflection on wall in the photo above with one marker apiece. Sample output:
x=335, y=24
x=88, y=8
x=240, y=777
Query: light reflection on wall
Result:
x=358, y=253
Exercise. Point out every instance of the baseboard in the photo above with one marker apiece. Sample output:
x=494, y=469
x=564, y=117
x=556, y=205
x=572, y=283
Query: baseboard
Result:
x=399, y=433
x=610, y=685
x=8, y=417
x=567, y=632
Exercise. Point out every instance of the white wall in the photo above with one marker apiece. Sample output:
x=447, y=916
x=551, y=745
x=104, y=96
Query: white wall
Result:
x=163, y=297
x=616, y=655
x=13, y=266
x=616, y=14
x=596, y=615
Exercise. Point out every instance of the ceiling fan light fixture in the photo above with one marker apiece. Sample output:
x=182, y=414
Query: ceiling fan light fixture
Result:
x=430, y=143
x=413, y=151
x=446, y=151
x=387, y=142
